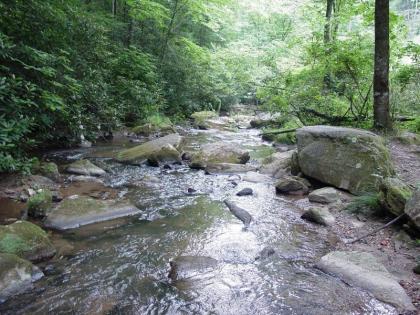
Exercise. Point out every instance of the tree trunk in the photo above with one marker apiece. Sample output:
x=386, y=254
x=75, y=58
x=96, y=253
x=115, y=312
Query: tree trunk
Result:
x=168, y=33
x=114, y=7
x=327, y=41
x=382, y=117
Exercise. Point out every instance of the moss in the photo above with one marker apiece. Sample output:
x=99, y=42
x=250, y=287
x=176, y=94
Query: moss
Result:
x=201, y=117
x=39, y=204
x=394, y=194
x=368, y=204
x=81, y=205
x=25, y=240
x=261, y=152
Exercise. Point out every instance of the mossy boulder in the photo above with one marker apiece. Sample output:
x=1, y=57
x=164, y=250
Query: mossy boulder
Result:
x=149, y=129
x=412, y=208
x=25, y=240
x=85, y=167
x=78, y=211
x=165, y=149
x=201, y=118
x=219, y=152
x=350, y=159
x=40, y=203
x=16, y=276
x=48, y=169
x=394, y=195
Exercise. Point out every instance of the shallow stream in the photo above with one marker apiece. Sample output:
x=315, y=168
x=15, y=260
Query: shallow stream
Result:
x=122, y=267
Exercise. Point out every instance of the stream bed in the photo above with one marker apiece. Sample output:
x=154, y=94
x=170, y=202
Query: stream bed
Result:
x=122, y=266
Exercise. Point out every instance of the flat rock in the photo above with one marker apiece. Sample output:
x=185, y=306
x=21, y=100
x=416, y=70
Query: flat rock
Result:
x=319, y=215
x=165, y=149
x=26, y=240
x=255, y=177
x=78, y=211
x=85, y=167
x=16, y=276
x=346, y=158
x=324, y=195
x=186, y=267
x=363, y=270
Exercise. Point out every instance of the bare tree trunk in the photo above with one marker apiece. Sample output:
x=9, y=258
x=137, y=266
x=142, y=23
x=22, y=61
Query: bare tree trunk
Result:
x=382, y=117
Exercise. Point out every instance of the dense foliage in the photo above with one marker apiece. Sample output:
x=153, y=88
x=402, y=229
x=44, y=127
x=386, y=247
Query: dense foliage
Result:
x=79, y=68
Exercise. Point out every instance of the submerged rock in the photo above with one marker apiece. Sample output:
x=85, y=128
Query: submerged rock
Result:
x=229, y=168
x=324, y=195
x=78, y=211
x=16, y=276
x=412, y=208
x=25, y=240
x=240, y=213
x=187, y=267
x=363, y=270
x=394, y=194
x=165, y=149
x=219, y=152
x=292, y=185
x=319, y=215
x=346, y=158
x=85, y=167
x=245, y=192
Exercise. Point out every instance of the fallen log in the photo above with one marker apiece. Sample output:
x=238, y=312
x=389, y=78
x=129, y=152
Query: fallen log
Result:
x=278, y=132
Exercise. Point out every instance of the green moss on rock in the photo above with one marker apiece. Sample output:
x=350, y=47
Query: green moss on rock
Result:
x=39, y=204
x=25, y=240
x=394, y=195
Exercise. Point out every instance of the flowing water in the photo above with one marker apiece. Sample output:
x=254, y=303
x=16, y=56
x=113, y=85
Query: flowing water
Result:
x=121, y=267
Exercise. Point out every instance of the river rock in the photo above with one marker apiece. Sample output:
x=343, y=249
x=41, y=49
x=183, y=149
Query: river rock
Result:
x=319, y=215
x=363, y=270
x=240, y=213
x=245, y=192
x=324, y=195
x=25, y=240
x=277, y=165
x=292, y=185
x=16, y=276
x=147, y=130
x=219, y=152
x=255, y=177
x=77, y=211
x=349, y=159
x=394, y=194
x=40, y=203
x=186, y=267
x=48, y=169
x=228, y=168
x=201, y=119
x=85, y=167
x=165, y=149
x=412, y=208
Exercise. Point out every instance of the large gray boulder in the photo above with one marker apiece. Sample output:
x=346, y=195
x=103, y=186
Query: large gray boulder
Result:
x=85, y=167
x=363, y=270
x=25, y=240
x=165, y=149
x=78, y=211
x=412, y=208
x=16, y=276
x=219, y=152
x=346, y=158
